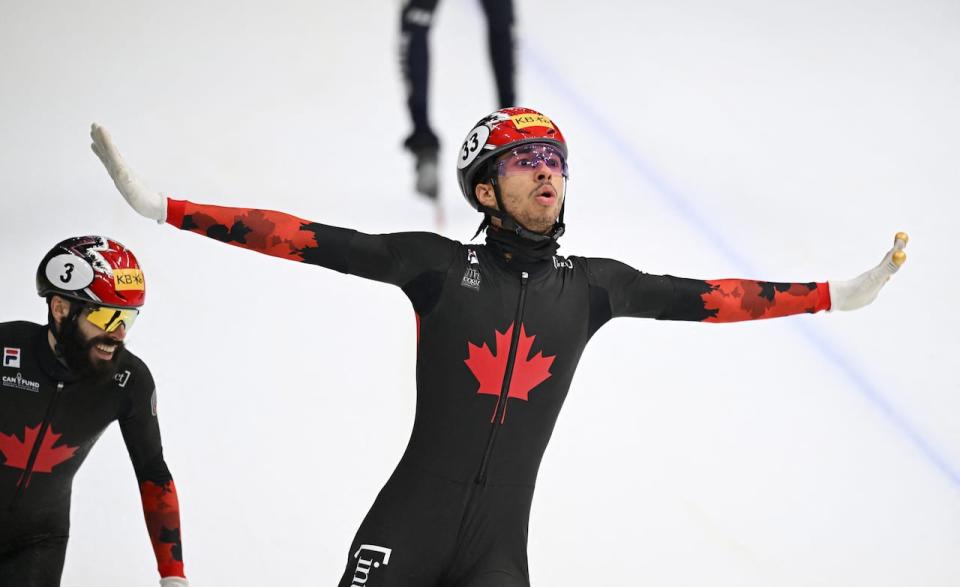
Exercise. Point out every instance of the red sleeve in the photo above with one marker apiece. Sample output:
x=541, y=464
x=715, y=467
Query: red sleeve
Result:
x=398, y=258
x=734, y=300
x=620, y=290
x=265, y=231
x=161, y=510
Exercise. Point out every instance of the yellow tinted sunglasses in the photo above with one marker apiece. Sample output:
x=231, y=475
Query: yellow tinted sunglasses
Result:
x=110, y=319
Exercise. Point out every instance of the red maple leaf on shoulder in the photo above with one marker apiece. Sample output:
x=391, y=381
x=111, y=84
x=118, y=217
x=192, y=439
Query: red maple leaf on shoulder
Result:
x=17, y=453
x=489, y=368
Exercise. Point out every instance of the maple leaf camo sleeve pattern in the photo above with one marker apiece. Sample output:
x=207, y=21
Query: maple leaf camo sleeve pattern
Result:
x=161, y=511
x=391, y=258
x=619, y=290
x=158, y=494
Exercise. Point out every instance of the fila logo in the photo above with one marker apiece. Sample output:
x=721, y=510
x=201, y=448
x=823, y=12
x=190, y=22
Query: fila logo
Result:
x=11, y=357
x=366, y=565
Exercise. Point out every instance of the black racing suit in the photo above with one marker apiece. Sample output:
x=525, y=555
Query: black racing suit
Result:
x=415, y=20
x=497, y=347
x=49, y=421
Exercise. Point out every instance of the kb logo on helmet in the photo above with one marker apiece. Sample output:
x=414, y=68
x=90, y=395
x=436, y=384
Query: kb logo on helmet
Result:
x=127, y=279
x=525, y=120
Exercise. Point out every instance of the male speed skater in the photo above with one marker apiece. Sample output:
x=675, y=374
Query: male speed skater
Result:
x=416, y=17
x=500, y=329
x=63, y=383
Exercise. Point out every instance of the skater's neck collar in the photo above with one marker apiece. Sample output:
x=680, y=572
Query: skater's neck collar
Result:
x=518, y=251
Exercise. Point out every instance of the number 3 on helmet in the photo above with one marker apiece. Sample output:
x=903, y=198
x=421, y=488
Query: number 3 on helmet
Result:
x=92, y=269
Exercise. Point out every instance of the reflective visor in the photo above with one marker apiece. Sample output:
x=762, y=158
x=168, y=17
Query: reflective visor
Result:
x=110, y=319
x=530, y=157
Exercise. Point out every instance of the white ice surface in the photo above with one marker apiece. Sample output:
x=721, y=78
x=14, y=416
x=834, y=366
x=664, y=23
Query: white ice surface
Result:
x=776, y=140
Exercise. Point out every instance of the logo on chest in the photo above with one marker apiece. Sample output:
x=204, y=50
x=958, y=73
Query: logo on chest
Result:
x=122, y=377
x=471, y=277
x=19, y=382
x=490, y=367
x=17, y=452
x=11, y=357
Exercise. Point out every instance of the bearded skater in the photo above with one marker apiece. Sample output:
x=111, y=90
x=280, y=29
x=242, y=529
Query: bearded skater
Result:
x=63, y=383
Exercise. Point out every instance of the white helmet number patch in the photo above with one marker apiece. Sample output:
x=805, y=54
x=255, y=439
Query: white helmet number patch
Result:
x=69, y=272
x=476, y=140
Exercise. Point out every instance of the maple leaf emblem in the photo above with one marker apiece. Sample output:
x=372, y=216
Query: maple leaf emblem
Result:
x=489, y=368
x=17, y=453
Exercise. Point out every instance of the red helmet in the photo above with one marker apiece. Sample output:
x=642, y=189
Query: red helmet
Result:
x=92, y=269
x=499, y=132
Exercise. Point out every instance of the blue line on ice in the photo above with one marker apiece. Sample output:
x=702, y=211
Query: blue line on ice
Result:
x=688, y=211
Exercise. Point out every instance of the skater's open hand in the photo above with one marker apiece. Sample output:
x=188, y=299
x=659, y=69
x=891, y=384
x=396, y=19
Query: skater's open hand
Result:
x=148, y=203
x=863, y=289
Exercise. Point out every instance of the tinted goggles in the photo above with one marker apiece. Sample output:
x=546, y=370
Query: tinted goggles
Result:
x=530, y=158
x=110, y=319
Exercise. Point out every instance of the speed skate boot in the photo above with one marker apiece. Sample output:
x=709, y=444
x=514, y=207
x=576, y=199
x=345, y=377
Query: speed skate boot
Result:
x=425, y=148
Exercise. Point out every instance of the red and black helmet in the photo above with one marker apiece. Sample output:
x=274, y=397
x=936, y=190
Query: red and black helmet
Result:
x=92, y=269
x=497, y=133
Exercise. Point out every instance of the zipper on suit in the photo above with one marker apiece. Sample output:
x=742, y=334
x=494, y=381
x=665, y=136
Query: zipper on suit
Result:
x=35, y=451
x=505, y=387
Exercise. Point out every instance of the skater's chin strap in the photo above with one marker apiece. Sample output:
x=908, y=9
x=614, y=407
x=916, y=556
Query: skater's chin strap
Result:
x=508, y=223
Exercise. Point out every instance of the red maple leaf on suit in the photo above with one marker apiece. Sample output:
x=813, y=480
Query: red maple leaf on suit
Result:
x=489, y=368
x=17, y=453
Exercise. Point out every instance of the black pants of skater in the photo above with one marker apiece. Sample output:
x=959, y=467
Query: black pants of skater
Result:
x=426, y=531
x=35, y=562
x=415, y=21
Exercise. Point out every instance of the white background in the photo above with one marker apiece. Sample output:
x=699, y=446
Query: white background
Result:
x=775, y=140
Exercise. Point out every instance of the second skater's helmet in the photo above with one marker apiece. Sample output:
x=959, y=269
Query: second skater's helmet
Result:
x=502, y=131
x=94, y=270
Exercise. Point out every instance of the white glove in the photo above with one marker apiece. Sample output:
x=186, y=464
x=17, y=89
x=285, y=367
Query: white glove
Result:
x=174, y=582
x=863, y=289
x=148, y=203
